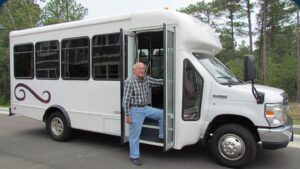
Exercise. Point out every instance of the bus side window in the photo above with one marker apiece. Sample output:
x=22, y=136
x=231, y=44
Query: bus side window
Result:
x=75, y=58
x=47, y=60
x=23, y=61
x=106, y=57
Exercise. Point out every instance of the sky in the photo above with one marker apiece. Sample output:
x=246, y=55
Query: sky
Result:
x=100, y=8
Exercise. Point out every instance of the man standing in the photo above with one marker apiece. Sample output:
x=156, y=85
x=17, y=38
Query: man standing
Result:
x=134, y=105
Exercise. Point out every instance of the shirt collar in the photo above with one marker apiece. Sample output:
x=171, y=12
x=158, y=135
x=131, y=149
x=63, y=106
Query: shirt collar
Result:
x=139, y=79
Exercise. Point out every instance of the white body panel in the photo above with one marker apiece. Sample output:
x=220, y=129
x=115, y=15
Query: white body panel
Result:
x=95, y=105
x=91, y=104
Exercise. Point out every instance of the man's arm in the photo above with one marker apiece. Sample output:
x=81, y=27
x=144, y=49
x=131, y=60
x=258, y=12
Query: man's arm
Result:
x=155, y=82
x=126, y=97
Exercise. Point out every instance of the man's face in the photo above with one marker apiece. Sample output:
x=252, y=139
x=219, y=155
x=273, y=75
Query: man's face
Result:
x=139, y=70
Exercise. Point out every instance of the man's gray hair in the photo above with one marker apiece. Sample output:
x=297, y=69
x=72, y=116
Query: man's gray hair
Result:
x=137, y=63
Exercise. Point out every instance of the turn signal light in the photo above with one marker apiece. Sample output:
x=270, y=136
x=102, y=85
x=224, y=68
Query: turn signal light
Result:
x=269, y=114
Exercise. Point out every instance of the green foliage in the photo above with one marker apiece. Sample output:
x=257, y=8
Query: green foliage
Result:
x=281, y=45
x=283, y=75
x=4, y=77
x=227, y=53
x=229, y=21
x=14, y=15
x=59, y=11
x=206, y=12
x=227, y=17
x=23, y=14
x=237, y=65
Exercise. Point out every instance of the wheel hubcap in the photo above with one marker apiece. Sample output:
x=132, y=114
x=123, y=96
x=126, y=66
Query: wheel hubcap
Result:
x=231, y=147
x=57, y=126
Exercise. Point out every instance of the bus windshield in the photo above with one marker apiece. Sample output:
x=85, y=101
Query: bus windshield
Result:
x=217, y=69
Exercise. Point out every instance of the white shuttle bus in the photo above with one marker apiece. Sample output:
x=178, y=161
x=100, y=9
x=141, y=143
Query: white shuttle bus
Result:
x=71, y=76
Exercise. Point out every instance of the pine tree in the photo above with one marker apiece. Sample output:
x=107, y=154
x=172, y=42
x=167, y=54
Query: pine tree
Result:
x=14, y=15
x=59, y=11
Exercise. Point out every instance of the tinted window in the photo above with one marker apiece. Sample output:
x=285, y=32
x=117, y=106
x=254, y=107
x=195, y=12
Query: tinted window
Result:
x=23, y=61
x=47, y=60
x=75, y=58
x=192, y=92
x=106, y=57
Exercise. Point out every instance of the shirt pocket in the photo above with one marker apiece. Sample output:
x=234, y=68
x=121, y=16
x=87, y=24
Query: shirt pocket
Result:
x=136, y=92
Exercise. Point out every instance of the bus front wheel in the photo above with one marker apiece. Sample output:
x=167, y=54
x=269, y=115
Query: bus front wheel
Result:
x=233, y=145
x=57, y=127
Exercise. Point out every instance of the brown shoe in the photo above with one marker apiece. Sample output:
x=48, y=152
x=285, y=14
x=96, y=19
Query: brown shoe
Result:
x=136, y=161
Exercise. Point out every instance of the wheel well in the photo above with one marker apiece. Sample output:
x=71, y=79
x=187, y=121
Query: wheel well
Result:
x=226, y=119
x=56, y=109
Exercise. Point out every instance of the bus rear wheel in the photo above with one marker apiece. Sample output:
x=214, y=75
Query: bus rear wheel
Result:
x=57, y=127
x=233, y=145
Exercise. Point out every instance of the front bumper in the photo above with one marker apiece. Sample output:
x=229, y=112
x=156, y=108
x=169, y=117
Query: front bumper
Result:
x=274, y=138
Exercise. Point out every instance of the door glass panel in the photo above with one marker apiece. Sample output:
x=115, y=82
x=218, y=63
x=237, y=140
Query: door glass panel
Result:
x=169, y=85
x=130, y=47
x=127, y=61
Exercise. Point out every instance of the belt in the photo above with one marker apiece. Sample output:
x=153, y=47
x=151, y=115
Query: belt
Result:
x=138, y=105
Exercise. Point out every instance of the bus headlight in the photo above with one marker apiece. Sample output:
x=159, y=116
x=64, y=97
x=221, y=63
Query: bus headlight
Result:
x=275, y=114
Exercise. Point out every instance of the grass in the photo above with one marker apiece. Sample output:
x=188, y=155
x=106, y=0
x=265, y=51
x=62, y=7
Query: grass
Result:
x=5, y=105
x=295, y=112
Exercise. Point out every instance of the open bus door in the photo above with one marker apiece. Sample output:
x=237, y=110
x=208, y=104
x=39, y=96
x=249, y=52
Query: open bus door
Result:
x=128, y=55
x=169, y=115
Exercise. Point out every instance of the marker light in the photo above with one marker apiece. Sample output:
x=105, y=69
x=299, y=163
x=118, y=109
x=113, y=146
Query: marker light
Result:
x=275, y=114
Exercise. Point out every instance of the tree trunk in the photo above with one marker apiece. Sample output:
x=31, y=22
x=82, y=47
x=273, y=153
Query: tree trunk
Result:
x=10, y=16
x=232, y=33
x=67, y=12
x=298, y=58
x=27, y=8
x=249, y=25
x=264, y=43
x=8, y=80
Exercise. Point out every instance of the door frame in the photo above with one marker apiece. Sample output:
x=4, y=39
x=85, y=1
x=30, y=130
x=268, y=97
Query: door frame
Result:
x=168, y=144
x=123, y=75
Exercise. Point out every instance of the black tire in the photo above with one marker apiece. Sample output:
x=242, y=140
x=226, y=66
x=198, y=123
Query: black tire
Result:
x=57, y=127
x=233, y=145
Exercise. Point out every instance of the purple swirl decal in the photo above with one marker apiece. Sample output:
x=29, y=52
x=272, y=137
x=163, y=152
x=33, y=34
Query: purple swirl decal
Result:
x=21, y=90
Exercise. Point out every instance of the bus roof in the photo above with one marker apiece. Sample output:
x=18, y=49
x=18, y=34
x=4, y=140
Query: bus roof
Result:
x=194, y=30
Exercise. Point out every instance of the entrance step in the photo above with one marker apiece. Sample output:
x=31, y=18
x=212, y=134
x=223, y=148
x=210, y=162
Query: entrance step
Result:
x=150, y=122
x=150, y=136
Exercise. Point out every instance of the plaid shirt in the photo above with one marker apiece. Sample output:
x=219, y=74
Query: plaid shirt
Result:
x=136, y=90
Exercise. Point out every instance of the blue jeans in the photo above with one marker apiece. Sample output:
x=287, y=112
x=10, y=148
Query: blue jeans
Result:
x=138, y=115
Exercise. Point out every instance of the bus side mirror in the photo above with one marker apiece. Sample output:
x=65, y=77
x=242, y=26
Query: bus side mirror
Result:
x=249, y=68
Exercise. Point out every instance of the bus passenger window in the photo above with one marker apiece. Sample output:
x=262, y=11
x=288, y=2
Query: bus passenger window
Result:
x=47, y=60
x=23, y=61
x=75, y=59
x=192, y=92
x=106, y=57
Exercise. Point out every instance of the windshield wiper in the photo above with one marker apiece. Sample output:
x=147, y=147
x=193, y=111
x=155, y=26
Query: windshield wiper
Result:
x=230, y=80
x=225, y=77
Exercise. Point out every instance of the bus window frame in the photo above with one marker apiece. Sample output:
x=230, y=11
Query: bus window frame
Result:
x=32, y=61
x=183, y=92
x=89, y=59
x=92, y=65
x=59, y=60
